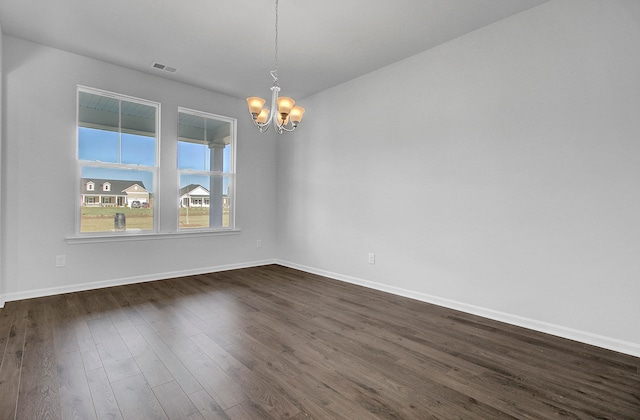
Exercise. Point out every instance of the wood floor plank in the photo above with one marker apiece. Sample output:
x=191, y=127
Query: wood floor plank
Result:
x=225, y=391
x=361, y=380
x=84, y=338
x=355, y=390
x=136, y=399
x=147, y=360
x=272, y=342
x=260, y=391
x=210, y=376
x=64, y=335
x=189, y=296
x=207, y=406
x=130, y=310
x=79, y=316
x=130, y=298
x=11, y=365
x=104, y=400
x=178, y=370
x=6, y=318
x=39, y=395
x=171, y=318
x=308, y=392
x=175, y=402
x=248, y=410
x=114, y=354
x=6, y=321
x=448, y=369
x=75, y=396
x=92, y=304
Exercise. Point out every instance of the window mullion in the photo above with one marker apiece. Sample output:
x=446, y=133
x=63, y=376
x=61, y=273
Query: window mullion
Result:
x=119, y=131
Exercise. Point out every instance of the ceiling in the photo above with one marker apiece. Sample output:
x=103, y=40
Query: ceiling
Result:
x=228, y=46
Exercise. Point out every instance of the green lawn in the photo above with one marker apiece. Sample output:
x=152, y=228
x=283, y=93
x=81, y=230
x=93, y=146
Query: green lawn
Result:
x=198, y=218
x=101, y=219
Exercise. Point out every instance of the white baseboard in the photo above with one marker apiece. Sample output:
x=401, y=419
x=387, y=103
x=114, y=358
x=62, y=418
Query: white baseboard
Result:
x=532, y=324
x=50, y=291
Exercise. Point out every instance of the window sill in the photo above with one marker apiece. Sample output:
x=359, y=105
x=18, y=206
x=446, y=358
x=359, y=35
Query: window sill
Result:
x=92, y=239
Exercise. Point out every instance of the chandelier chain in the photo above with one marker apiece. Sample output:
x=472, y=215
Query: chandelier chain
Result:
x=276, y=49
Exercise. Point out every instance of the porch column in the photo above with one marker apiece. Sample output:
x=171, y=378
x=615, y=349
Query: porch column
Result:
x=216, y=149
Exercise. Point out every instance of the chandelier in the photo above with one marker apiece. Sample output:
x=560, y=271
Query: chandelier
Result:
x=287, y=116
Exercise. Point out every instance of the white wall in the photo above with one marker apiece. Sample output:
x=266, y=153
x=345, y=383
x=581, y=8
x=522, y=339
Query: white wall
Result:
x=497, y=174
x=39, y=166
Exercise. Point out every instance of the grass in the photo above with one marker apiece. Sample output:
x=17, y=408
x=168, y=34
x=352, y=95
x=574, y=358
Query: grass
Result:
x=195, y=217
x=101, y=219
x=110, y=211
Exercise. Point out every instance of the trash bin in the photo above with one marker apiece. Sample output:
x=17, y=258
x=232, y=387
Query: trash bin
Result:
x=119, y=222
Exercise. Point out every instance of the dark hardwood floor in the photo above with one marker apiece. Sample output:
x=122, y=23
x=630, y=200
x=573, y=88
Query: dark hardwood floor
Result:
x=273, y=343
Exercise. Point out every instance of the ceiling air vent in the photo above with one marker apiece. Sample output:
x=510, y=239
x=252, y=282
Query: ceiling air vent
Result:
x=164, y=67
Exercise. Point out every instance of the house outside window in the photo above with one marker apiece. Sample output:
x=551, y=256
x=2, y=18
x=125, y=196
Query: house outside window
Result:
x=206, y=166
x=117, y=149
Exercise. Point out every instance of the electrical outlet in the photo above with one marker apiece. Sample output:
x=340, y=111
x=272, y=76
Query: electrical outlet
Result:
x=259, y=243
x=61, y=260
x=372, y=258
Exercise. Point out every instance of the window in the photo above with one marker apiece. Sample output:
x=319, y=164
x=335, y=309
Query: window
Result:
x=118, y=151
x=206, y=166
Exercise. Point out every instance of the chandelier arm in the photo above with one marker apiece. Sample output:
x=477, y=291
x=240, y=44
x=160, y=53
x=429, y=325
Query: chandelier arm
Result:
x=262, y=126
x=282, y=128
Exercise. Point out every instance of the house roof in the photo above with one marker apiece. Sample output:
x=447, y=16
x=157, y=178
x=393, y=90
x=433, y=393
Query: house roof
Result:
x=189, y=188
x=117, y=186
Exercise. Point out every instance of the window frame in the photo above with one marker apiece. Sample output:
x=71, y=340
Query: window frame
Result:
x=80, y=164
x=231, y=174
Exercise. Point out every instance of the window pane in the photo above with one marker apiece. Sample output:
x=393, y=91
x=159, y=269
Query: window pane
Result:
x=193, y=156
x=204, y=143
x=204, y=201
x=137, y=118
x=97, y=145
x=115, y=199
x=116, y=131
x=138, y=150
x=98, y=111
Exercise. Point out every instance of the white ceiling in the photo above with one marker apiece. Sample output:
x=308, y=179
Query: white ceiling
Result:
x=229, y=46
